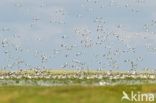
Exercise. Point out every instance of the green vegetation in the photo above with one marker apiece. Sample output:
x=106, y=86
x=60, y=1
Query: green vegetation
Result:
x=70, y=94
x=72, y=87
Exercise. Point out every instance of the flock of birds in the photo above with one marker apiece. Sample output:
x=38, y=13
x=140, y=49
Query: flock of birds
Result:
x=105, y=45
x=46, y=74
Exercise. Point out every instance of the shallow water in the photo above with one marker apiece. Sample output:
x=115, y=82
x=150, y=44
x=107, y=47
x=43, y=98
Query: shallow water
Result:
x=31, y=82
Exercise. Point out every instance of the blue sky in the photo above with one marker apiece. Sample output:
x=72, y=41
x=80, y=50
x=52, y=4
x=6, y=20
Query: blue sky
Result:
x=78, y=34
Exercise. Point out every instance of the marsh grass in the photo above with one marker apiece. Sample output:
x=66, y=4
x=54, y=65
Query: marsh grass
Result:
x=69, y=94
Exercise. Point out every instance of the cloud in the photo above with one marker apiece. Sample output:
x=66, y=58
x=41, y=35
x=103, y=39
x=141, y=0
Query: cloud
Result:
x=135, y=38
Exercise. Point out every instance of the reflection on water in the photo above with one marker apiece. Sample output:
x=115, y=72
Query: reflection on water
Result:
x=67, y=82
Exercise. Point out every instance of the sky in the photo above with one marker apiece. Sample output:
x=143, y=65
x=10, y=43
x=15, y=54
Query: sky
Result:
x=78, y=34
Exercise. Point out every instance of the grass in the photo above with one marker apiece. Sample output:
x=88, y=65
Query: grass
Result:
x=70, y=94
x=73, y=90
